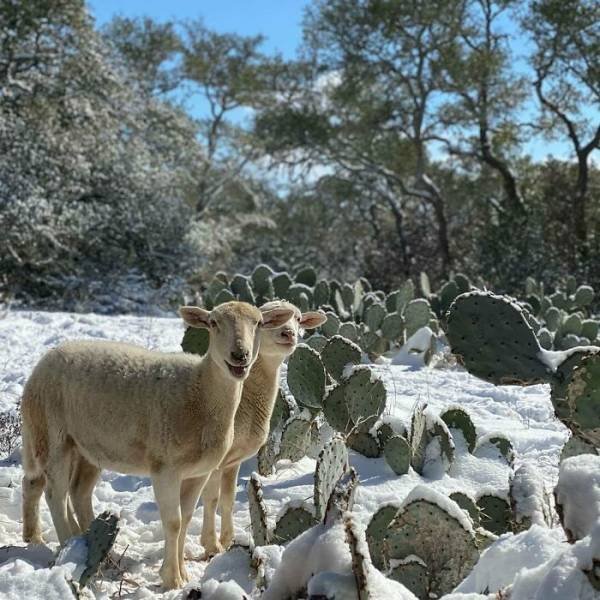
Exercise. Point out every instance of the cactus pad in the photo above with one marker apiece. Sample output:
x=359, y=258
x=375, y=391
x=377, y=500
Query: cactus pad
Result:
x=349, y=331
x=306, y=377
x=331, y=466
x=364, y=443
x=321, y=293
x=295, y=440
x=374, y=316
x=338, y=353
x=258, y=512
x=413, y=574
x=294, y=521
x=392, y=327
x=397, y=454
x=281, y=284
x=332, y=325
x=423, y=529
x=195, y=341
x=492, y=338
x=584, y=295
x=100, y=538
x=306, y=276
x=457, y=418
x=468, y=505
x=377, y=531
x=416, y=315
x=418, y=438
x=495, y=514
x=498, y=444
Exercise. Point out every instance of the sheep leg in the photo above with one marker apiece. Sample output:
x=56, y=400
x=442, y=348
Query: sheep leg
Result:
x=32, y=489
x=166, y=491
x=210, y=501
x=81, y=488
x=189, y=494
x=58, y=471
x=226, y=501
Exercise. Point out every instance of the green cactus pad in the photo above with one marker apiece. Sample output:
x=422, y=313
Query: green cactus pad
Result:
x=373, y=344
x=342, y=497
x=589, y=329
x=347, y=293
x=553, y=317
x=282, y=410
x=529, y=501
x=331, y=326
x=300, y=295
x=240, y=286
x=374, y=316
x=306, y=276
x=423, y=529
x=418, y=438
x=463, y=283
x=195, y=341
x=100, y=538
x=501, y=445
x=392, y=327
x=295, y=440
x=468, y=505
x=493, y=340
x=294, y=521
x=571, y=325
x=494, y=514
x=364, y=443
x=306, y=377
x=223, y=296
x=366, y=397
x=576, y=446
x=416, y=315
x=338, y=353
x=267, y=456
x=583, y=400
x=447, y=294
x=335, y=409
x=321, y=293
x=457, y=418
x=281, y=284
x=258, y=512
x=397, y=454
x=331, y=466
x=262, y=284
x=317, y=342
x=442, y=433
x=413, y=575
x=377, y=531
x=349, y=331
x=386, y=430
x=584, y=295
x=545, y=338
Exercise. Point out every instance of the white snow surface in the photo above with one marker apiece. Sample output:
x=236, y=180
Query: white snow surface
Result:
x=524, y=414
x=579, y=493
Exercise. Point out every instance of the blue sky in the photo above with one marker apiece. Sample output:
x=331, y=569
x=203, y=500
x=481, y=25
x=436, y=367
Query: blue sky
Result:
x=280, y=21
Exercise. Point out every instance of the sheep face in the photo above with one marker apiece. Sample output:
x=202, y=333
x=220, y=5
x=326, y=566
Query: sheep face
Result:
x=233, y=328
x=282, y=341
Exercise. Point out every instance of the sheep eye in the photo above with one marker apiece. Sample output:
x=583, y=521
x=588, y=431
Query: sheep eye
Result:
x=213, y=323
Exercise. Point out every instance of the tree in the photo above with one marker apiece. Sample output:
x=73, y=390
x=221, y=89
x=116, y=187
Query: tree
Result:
x=566, y=35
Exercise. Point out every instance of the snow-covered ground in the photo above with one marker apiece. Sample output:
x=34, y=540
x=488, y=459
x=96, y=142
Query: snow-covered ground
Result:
x=524, y=414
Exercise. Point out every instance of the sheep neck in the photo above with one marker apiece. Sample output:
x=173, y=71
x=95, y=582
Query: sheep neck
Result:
x=226, y=392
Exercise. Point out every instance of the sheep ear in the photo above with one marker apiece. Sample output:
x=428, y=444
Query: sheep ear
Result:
x=195, y=317
x=276, y=317
x=311, y=320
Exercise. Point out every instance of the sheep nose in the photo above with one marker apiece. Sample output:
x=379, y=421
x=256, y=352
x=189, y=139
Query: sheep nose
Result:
x=288, y=334
x=240, y=356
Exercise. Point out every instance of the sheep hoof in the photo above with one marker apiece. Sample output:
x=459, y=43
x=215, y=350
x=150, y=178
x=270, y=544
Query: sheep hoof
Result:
x=183, y=574
x=212, y=550
x=171, y=580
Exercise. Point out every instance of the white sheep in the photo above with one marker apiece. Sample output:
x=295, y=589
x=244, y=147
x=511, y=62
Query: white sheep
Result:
x=121, y=407
x=251, y=423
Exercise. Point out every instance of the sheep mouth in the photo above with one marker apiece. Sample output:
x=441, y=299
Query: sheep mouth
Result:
x=238, y=371
x=286, y=344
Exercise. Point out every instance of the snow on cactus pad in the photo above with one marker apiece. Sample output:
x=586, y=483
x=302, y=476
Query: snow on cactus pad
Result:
x=526, y=414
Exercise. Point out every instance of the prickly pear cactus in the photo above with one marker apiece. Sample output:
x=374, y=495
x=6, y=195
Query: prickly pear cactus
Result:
x=581, y=411
x=377, y=531
x=332, y=325
x=282, y=411
x=100, y=538
x=262, y=283
x=321, y=293
x=457, y=418
x=529, y=502
x=417, y=314
x=258, y=512
x=281, y=284
x=360, y=558
x=306, y=276
x=495, y=514
x=306, y=377
x=349, y=331
x=413, y=574
x=584, y=296
x=494, y=445
x=331, y=466
x=468, y=505
x=317, y=342
x=338, y=353
x=392, y=327
x=444, y=541
x=267, y=457
x=397, y=454
x=195, y=341
x=364, y=443
x=223, y=296
x=418, y=438
x=374, y=316
x=240, y=286
x=295, y=439
x=294, y=521
x=494, y=341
